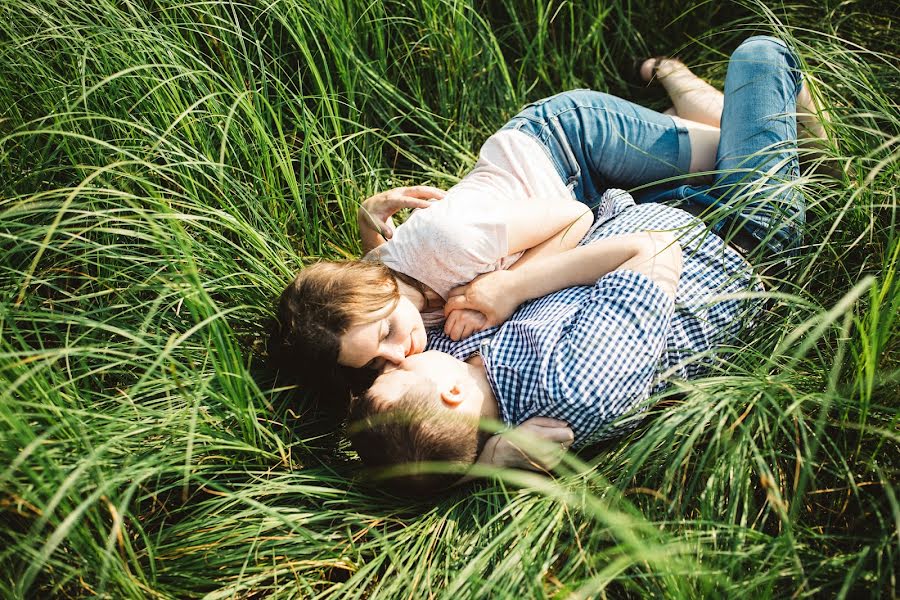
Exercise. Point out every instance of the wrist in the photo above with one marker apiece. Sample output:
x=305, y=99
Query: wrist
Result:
x=517, y=289
x=488, y=451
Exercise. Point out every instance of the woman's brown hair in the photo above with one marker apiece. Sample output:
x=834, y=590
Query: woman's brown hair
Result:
x=320, y=304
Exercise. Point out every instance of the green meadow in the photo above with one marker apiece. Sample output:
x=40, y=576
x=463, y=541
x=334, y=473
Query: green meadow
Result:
x=165, y=168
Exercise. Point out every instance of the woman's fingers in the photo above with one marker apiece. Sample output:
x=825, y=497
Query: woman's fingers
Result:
x=455, y=326
x=466, y=297
x=424, y=191
x=474, y=321
x=449, y=325
x=378, y=224
x=386, y=203
x=418, y=196
x=465, y=303
x=455, y=303
x=392, y=205
x=461, y=324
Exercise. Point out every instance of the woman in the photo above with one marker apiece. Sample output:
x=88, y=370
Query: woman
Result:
x=529, y=194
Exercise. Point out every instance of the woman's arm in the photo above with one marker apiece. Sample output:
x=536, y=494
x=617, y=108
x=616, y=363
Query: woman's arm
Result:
x=654, y=253
x=375, y=215
x=498, y=294
x=563, y=240
x=544, y=227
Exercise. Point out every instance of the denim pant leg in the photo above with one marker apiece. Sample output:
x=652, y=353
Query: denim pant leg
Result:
x=597, y=141
x=757, y=155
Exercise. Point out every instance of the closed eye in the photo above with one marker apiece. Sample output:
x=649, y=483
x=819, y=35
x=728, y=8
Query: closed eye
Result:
x=377, y=362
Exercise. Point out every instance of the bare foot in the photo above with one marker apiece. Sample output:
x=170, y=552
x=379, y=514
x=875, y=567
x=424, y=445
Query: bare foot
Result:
x=693, y=98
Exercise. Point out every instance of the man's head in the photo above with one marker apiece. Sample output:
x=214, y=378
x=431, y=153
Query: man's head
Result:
x=426, y=409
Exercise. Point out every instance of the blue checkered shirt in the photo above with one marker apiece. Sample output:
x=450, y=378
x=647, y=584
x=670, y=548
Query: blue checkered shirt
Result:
x=589, y=354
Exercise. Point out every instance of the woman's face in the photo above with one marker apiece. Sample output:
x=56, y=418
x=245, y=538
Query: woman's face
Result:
x=384, y=336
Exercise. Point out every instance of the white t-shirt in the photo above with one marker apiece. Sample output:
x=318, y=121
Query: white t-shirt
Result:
x=464, y=235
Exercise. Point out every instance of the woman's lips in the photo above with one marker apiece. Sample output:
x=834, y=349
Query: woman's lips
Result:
x=414, y=347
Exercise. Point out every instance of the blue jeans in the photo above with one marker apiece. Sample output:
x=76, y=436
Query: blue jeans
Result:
x=597, y=141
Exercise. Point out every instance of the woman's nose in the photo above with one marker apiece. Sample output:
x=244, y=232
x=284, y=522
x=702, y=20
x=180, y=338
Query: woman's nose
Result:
x=393, y=353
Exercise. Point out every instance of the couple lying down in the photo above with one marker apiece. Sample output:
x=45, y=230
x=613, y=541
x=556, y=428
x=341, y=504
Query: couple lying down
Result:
x=561, y=298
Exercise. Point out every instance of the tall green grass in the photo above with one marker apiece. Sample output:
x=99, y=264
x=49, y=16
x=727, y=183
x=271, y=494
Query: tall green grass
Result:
x=164, y=169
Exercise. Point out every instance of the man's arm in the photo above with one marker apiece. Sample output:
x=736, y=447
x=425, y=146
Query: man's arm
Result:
x=496, y=295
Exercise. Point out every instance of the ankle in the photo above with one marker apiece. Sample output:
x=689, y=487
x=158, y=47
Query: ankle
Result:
x=810, y=118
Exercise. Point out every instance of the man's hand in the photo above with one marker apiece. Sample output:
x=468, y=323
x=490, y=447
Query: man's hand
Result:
x=493, y=295
x=538, y=444
x=661, y=260
x=375, y=213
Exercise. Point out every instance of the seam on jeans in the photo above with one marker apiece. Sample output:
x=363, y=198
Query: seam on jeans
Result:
x=562, y=140
x=515, y=124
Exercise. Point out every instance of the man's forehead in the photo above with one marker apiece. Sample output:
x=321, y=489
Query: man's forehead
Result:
x=392, y=385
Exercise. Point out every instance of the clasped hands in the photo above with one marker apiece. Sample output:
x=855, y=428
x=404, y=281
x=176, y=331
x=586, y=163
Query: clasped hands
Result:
x=487, y=301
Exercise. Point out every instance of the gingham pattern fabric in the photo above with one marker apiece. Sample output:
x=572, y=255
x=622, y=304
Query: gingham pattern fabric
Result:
x=589, y=354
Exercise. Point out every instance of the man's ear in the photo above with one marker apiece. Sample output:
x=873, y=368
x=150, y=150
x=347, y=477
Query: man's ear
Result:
x=453, y=395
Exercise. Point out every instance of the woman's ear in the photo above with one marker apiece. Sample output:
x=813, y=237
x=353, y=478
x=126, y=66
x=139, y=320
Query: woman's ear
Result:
x=452, y=396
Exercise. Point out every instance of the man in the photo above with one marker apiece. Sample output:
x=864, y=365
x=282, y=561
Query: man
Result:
x=589, y=354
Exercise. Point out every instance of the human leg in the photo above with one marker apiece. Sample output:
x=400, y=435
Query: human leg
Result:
x=809, y=117
x=598, y=141
x=757, y=154
x=692, y=98
x=704, y=143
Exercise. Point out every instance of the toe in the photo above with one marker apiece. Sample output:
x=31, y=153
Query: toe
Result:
x=648, y=69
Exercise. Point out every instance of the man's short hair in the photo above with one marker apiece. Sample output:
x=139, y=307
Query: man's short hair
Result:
x=412, y=430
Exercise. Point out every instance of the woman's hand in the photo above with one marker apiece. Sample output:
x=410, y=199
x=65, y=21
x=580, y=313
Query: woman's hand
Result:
x=551, y=439
x=462, y=322
x=375, y=213
x=494, y=295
